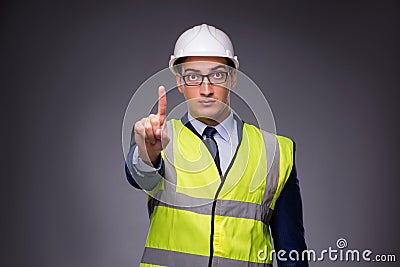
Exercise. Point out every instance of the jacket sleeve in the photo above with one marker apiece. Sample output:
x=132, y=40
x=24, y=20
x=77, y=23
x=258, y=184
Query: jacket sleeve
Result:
x=287, y=222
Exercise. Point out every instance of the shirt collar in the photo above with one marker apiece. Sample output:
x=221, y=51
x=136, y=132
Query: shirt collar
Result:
x=224, y=128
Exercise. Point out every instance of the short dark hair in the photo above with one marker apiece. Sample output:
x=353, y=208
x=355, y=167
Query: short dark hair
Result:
x=179, y=61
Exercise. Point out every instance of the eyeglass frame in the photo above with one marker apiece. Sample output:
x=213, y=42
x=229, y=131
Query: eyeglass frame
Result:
x=228, y=73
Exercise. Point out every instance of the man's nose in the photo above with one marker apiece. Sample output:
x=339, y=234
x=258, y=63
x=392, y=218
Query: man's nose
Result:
x=206, y=88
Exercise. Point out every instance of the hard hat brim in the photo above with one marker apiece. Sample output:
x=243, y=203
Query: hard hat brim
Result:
x=174, y=59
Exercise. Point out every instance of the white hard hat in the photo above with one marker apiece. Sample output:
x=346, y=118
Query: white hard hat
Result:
x=203, y=40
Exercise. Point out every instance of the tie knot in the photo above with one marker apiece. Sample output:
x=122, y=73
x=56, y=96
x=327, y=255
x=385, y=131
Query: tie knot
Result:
x=209, y=132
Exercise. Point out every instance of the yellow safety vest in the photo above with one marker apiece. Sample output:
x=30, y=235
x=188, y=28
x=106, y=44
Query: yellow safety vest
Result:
x=198, y=218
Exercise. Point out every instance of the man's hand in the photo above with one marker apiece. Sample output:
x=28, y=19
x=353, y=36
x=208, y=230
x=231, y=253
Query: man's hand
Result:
x=151, y=132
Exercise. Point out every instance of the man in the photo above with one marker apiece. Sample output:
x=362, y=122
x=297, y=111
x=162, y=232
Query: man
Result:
x=218, y=187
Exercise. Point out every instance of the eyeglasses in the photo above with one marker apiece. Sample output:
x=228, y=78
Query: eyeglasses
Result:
x=195, y=79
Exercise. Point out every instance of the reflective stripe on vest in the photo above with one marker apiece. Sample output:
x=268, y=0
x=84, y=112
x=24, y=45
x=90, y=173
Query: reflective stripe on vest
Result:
x=160, y=257
x=181, y=208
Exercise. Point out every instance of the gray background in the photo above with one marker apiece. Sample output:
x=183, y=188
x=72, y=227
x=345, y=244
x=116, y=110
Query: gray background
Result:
x=69, y=68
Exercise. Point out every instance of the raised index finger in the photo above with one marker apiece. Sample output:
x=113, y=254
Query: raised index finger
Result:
x=162, y=104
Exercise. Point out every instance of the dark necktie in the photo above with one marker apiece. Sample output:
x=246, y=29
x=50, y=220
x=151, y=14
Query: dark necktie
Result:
x=209, y=141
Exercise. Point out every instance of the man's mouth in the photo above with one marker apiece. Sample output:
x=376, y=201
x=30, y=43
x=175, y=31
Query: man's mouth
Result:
x=207, y=101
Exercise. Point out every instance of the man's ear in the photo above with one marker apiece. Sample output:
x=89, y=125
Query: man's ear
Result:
x=179, y=83
x=233, y=78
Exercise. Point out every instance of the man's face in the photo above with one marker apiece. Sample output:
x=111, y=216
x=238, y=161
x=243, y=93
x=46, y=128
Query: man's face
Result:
x=207, y=102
